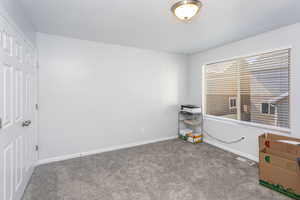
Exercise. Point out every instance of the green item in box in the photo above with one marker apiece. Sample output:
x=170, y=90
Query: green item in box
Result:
x=268, y=159
x=279, y=188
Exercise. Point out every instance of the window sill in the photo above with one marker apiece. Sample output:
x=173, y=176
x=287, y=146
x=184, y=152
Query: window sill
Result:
x=273, y=128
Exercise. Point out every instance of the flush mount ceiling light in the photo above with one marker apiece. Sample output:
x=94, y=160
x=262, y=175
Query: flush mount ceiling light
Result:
x=185, y=10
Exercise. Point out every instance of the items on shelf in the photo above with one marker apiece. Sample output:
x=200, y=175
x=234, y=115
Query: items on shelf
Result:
x=190, y=122
x=185, y=132
x=191, y=108
x=188, y=135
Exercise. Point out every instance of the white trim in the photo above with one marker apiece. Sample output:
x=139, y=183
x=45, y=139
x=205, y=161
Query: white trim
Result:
x=279, y=98
x=227, y=120
x=203, y=94
x=97, y=151
x=226, y=148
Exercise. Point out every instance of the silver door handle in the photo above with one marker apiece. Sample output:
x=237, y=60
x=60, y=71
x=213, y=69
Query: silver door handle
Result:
x=26, y=123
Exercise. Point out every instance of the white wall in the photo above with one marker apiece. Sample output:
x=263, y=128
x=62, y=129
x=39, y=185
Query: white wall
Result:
x=96, y=96
x=285, y=37
x=13, y=12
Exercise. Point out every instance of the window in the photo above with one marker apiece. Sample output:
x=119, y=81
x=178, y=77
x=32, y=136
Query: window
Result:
x=272, y=109
x=268, y=108
x=254, y=89
x=232, y=102
x=265, y=108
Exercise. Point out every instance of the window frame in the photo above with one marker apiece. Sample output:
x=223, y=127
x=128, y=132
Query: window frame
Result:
x=240, y=122
x=269, y=108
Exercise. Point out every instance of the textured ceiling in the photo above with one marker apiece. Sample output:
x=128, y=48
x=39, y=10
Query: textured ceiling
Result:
x=150, y=24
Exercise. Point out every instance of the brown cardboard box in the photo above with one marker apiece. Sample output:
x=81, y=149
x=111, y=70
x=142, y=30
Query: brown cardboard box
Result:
x=278, y=164
x=278, y=161
x=269, y=140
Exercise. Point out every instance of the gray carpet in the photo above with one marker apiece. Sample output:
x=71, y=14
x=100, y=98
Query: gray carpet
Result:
x=170, y=170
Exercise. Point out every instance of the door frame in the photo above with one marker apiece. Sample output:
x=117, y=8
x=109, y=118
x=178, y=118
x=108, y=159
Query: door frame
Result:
x=37, y=107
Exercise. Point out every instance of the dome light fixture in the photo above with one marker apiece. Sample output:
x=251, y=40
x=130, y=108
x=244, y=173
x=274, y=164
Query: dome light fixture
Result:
x=185, y=10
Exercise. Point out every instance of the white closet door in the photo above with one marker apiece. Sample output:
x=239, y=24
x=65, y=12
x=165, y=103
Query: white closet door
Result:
x=17, y=114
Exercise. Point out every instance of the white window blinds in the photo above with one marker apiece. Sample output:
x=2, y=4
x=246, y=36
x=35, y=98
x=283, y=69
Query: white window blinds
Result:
x=259, y=83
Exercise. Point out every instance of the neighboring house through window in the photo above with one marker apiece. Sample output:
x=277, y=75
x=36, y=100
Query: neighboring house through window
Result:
x=254, y=89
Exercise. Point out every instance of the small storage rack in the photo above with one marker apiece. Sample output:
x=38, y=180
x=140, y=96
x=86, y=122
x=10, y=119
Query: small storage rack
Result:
x=190, y=124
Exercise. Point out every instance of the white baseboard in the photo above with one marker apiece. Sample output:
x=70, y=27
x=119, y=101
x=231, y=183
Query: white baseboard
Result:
x=226, y=148
x=96, y=151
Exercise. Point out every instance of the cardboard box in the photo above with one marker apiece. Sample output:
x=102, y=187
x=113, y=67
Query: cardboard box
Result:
x=278, y=161
x=279, y=168
x=271, y=141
